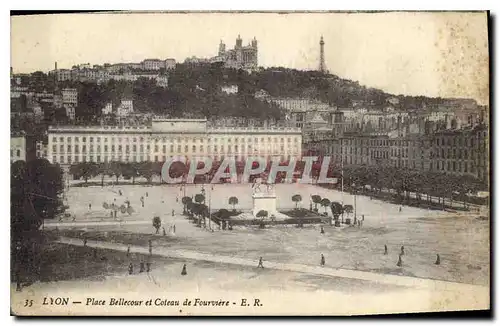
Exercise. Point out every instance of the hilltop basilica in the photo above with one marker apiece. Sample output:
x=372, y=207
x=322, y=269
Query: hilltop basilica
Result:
x=241, y=57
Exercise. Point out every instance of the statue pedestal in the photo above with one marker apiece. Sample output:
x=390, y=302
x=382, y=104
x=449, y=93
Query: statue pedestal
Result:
x=264, y=201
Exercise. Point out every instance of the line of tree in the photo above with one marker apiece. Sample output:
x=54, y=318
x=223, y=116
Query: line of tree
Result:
x=127, y=171
x=405, y=181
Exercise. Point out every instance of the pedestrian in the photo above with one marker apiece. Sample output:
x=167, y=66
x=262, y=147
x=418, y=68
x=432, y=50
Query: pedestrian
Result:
x=84, y=242
x=177, y=199
x=438, y=260
x=148, y=267
x=120, y=192
x=400, y=261
x=150, y=247
x=141, y=267
x=90, y=207
x=128, y=251
x=130, y=269
x=363, y=217
x=164, y=233
x=184, y=270
x=322, y=230
x=385, y=250
x=174, y=228
x=74, y=218
x=402, y=250
x=261, y=263
x=146, y=194
x=173, y=212
x=400, y=209
x=322, y=260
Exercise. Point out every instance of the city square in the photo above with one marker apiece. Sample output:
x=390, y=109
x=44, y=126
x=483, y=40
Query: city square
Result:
x=277, y=176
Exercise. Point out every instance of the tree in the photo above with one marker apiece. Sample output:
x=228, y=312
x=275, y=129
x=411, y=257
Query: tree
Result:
x=337, y=209
x=85, y=170
x=104, y=169
x=325, y=202
x=316, y=200
x=223, y=214
x=296, y=199
x=145, y=170
x=36, y=191
x=185, y=201
x=233, y=201
x=199, y=198
x=130, y=170
x=262, y=214
x=157, y=223
x=115, y=170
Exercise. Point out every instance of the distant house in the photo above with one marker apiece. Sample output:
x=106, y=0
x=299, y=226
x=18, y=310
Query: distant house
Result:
x=230, y=89
x=126, y=107
x=70, y=111
x=17, y=147
x=108, y=109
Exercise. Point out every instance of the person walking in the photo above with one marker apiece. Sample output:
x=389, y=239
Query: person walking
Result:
x=90, y=207
x=148, y=267
x=402, y=251
x=385, y=250
x=141, y=267
x=322, y=260
x=150, y=247
x=322, y=230
x=400, y=261
x=174, y=228
x=84, y=242
x=130, y=269
x=184, y=270
x=164, y=233
x=261, y=263
x=128, y=251
x=438, y=260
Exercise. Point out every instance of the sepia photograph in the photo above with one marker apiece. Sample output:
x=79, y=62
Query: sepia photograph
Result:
x=249, y=163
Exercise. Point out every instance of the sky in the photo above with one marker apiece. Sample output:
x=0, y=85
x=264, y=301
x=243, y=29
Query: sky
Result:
x=414, y=53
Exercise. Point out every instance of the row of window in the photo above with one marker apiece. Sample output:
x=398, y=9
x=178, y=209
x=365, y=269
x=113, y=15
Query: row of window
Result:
x=176, y=139
x=456, y=166
x=454, y=141
x=70, y=159
x=453, y=154
x=194, y=148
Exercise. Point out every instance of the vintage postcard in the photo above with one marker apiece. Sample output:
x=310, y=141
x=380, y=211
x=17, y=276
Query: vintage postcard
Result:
x=228, y=164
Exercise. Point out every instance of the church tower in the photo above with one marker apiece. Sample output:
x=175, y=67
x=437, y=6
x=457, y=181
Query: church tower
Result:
x=322, y=66
x=222, y=48
x=239, y=42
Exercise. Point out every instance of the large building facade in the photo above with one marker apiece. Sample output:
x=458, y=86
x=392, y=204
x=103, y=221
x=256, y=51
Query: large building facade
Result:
x=166, y=138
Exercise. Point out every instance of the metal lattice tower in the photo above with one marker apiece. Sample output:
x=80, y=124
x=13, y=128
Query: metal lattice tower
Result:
x=322, y=66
